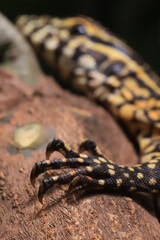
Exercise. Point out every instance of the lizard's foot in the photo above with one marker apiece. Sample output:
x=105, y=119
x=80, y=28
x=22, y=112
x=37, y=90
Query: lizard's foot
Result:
x=87, y=169
x=94, y=170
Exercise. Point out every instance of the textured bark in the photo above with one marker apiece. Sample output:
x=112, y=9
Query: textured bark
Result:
x=83, y=215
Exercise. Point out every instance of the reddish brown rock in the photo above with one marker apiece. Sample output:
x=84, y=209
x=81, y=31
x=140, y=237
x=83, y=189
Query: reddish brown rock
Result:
x=82, y=215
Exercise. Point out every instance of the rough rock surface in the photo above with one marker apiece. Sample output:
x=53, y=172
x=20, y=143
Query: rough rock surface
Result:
x=83, y=215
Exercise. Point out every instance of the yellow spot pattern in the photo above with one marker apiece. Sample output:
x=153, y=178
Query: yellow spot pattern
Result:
x=47, y=162
x=126, y=175
x=90, y=169
x=131, y=181
x=102, y=159
x=140, y=176
x=119, y=182
x=81, y=160
x=101, y=182
x=55, y=178
x=151, y=165
x=131, y=169
x=83, y=155
x=110, y=166
x=64, y=160
x=132, y=189
x=152, y=181
x=96, y=161
x=112, y=172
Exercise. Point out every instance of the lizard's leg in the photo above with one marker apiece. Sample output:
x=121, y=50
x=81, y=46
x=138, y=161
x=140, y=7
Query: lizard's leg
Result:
x=94, y=164
x=96, y=171
x=72, y=159
x=150, y=148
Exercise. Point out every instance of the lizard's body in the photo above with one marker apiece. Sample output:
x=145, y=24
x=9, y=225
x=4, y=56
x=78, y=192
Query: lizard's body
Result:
x=100, y=65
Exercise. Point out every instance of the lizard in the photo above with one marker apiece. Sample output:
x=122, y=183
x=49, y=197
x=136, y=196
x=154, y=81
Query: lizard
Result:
x=93, y=61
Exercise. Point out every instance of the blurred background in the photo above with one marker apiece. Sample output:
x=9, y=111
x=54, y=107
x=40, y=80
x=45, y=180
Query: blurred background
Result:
x=137, y=22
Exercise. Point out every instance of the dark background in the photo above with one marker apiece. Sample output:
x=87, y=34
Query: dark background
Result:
x=137, y=22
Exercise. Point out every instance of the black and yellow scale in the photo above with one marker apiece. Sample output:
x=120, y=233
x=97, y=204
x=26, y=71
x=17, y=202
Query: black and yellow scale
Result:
x=94, y=61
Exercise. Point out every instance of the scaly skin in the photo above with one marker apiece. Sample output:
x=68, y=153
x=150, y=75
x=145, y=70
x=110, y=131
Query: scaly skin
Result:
x=94, y=61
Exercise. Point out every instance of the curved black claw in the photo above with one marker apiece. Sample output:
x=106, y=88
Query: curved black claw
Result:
x=44, y=186
x=41, y=192
x=91, y=147
x=55, y=145
x=58, y=145
x=33, y=176
x=38, y=168
x=80, y=180
x=36, y=171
